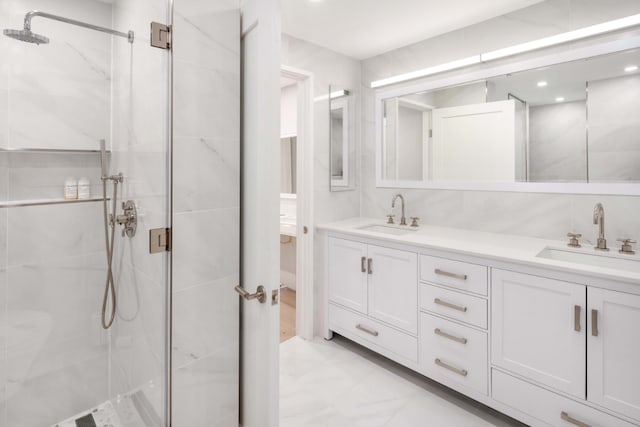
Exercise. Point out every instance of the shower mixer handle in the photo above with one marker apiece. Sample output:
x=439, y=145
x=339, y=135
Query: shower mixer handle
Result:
x=128, y=219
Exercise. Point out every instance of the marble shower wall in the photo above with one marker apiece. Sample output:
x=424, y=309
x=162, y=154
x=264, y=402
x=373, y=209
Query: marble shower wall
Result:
x=341, y=72
x=206, y=212
x=538, y=215
x=52, y=349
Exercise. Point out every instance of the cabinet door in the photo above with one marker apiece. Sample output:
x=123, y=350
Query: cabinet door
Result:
x=393, y=287
x=348, y=274
x=614, y=351
x=538, y=329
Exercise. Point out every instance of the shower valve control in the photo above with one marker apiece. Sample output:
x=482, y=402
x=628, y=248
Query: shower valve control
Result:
x=128, y=219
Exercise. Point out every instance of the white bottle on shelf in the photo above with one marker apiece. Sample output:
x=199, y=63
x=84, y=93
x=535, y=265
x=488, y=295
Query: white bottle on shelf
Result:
x=70, y=189
x=84, y=188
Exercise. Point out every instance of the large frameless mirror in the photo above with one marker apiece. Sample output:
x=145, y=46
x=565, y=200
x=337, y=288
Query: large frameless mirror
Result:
x=569, y=122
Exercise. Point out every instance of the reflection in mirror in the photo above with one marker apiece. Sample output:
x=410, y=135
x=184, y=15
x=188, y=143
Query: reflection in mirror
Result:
x=288, y=154
x=571, y=122
x=339, y=139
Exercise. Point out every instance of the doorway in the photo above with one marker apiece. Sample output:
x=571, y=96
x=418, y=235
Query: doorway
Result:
x=296, y=204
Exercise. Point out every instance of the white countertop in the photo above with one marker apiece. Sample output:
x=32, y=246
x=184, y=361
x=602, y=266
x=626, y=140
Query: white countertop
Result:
x=500, y=247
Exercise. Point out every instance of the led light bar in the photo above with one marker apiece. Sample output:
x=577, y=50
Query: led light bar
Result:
x=428, y=71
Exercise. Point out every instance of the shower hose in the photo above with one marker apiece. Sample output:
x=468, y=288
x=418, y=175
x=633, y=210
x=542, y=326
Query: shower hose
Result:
x=109, y=221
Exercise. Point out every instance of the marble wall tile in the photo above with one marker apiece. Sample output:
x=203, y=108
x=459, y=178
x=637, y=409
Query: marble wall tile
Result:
x=215, y=186
x=614, y=149
x=59, y=92
x=205, y=391
x=200, y=89
x=199, y=331
x=205, y=246
x=557, y=142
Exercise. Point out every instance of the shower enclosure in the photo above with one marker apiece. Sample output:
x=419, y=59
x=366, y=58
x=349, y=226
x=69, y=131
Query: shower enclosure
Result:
x=73, y=74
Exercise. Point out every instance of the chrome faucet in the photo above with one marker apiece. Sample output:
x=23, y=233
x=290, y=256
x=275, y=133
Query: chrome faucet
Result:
x=598, y=218
x=403, y=219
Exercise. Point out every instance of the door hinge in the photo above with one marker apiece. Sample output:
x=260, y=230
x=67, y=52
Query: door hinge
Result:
x=160, y=35
x=159, y=240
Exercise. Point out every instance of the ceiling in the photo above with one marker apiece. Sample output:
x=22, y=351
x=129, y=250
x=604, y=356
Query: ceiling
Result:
x=365, y=28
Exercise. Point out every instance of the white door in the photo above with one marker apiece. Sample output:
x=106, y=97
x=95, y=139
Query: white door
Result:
x=614, y=351
x=348, y=273
x=260, y=251
x=393, y=287
x=538, y=329
x=474, y=142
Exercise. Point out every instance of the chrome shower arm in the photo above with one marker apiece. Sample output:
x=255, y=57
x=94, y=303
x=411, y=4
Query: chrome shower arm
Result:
x=30, y=15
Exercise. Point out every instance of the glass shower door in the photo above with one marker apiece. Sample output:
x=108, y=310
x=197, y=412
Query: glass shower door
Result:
x=82, y=72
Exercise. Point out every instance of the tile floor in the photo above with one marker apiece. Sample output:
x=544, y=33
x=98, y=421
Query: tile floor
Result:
x=341, y=384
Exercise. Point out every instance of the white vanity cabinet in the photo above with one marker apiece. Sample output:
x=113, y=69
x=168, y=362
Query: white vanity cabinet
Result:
x=613, y=351
x=538, y=328
x=373, y=296
x=546, y=346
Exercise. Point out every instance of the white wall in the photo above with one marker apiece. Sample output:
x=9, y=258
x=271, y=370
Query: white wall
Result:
x=289, y=111
x=541, y=215
x=341, y=72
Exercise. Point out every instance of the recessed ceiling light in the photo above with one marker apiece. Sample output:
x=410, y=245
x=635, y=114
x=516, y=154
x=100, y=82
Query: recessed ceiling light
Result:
x=542, y=83
x=630, y=68
x=559, y=99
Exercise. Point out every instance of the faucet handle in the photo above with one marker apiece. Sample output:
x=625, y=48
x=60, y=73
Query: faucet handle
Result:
x=626, y=247
x=573, y=240
x=390, y=220
x=414, y=221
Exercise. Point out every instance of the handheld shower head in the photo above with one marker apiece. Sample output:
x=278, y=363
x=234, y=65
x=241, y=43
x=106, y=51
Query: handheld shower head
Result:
x=26, y=36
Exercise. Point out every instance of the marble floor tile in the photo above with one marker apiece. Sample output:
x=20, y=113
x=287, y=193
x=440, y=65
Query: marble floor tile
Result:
x=339, y=383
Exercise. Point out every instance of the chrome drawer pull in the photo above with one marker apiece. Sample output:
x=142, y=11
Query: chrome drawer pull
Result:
x=576, y=318
x=368, y=331
x=594, y=323
x=458, y=371
x=446, y=273
x=449, y=305
x=363, y=267
x=437, y=331
x=566, y=417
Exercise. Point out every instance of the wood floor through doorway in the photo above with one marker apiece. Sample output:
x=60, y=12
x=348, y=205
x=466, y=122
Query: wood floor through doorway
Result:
x=287, y=314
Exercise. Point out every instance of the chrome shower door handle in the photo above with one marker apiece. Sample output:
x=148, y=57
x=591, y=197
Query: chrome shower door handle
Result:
x=260, y=294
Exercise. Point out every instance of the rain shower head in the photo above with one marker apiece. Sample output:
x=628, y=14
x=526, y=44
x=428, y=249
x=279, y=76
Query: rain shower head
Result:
x=26, y=36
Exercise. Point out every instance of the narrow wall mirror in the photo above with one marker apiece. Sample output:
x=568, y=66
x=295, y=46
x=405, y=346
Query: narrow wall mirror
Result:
x=340, y=142
x=572, y=122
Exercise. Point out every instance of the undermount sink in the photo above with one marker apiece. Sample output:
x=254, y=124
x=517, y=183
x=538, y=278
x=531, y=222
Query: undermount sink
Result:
x=387, y=229
x=604, y=259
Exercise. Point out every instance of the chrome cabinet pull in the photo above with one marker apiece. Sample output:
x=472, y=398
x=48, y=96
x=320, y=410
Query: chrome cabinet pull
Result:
x=566, y=417
x=576, y=318
x=449, y=305
x=458, y=371
x=366, y=330
x=437, y=331
x=370, y=266
x=260, y=294
x=363, y=261
x=448, y=274
x=594, y=323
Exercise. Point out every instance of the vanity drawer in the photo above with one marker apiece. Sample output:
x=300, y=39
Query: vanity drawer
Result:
x=548, y=407
x=350, y=325
x=462, y=307
x=450, y=352
x=457, y=274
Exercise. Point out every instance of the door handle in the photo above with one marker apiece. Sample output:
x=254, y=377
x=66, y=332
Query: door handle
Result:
x=568, y=418
x=576, y=318
x=370, y=265
x=363, y=262
x=594, y=323
x=260, y=294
